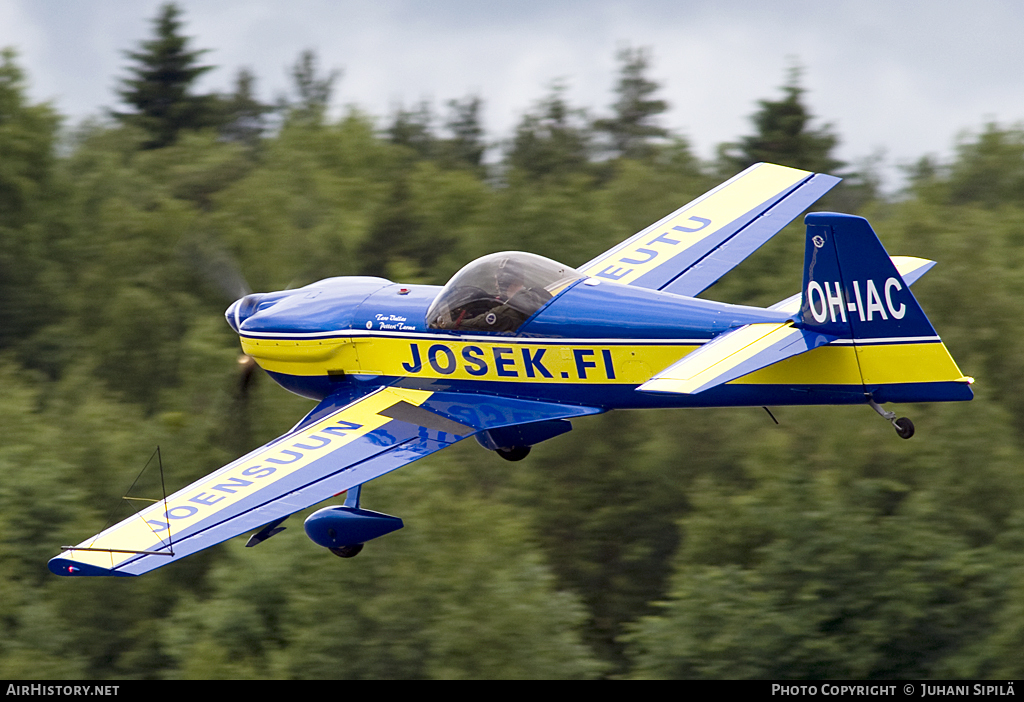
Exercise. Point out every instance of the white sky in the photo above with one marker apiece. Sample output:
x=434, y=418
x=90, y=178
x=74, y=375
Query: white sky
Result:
x=900, y=76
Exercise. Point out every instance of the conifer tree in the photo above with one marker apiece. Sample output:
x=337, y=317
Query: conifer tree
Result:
x=784, y=135
x=553, y=140
x=412, y=129
x=466, y=146
x=633, y=127
x=244, y=116
x=313, y=90
x=463, y=145
x=28, y=134
x=160, y=88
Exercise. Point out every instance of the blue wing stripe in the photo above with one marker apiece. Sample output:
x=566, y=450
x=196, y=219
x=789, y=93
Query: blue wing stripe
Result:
x=344, y=479
x=664, y=251
x=744, y=237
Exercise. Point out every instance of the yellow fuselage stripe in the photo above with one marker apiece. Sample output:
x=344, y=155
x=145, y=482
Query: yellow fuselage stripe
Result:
x=579, y=362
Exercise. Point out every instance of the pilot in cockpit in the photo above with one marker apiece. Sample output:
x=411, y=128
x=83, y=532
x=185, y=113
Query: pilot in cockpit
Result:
x=497, y=293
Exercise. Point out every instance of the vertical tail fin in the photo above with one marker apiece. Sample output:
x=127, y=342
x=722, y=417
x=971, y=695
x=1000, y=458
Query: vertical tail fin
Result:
x=853, y=291
x=852, y=288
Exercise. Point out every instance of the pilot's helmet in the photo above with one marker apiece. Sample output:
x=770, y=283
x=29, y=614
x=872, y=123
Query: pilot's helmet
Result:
x=508, y=274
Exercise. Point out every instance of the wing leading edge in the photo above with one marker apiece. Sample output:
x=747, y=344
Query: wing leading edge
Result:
x=690, y=249
x=339, y=446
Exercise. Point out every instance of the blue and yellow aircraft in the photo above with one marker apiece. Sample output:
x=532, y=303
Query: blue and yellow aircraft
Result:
x=515, y=346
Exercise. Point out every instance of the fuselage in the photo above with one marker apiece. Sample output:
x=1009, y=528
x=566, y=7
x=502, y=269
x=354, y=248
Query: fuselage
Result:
x=592, y=344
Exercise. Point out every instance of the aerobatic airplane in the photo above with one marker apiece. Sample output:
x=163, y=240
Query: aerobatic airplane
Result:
x=516, y=346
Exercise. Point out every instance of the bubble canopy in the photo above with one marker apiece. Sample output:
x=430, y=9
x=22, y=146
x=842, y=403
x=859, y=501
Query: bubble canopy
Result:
x=497, y=293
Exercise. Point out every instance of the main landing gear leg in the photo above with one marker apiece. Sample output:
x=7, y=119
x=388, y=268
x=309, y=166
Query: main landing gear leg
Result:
x=904, y=427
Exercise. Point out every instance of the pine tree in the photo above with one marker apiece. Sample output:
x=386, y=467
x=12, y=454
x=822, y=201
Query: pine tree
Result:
x=784, y=136
x=160, y=88
x=463, y=145
x=28, y=134
x=633, y=127
x=243, y=116
x=412, y=129
x=553, y=140
x=314, y=91
x=466, y=146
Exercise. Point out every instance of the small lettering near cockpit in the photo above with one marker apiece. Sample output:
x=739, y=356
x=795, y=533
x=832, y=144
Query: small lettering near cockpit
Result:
x=393, y=322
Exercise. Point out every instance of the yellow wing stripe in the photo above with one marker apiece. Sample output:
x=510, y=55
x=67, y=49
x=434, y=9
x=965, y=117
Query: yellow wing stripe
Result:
x=693, y=223
x=882, y=364
x=148, y=529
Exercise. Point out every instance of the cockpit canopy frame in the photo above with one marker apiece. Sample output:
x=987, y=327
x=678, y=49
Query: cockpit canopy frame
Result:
x=498, y=292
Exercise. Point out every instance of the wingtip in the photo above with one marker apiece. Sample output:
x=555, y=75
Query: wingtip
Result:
x=67, y=567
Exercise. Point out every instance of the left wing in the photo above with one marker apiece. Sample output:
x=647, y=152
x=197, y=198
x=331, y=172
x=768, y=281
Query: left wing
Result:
x=340, y=445
x=690, y=249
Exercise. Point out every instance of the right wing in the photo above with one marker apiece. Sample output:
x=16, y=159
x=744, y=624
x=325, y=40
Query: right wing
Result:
x=341, y=444
x=690, y=249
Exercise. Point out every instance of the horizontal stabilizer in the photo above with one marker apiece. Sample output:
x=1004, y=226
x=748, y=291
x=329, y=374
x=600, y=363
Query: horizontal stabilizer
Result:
x=733, y=355
x=911, y=268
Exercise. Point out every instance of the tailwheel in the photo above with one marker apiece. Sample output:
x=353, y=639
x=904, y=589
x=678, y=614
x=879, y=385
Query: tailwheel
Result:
x=904, y=427
x=516, y=453
x=350, y=551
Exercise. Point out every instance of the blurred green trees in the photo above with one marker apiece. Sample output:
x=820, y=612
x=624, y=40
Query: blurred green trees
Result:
x=647, y=544
x=28, y=186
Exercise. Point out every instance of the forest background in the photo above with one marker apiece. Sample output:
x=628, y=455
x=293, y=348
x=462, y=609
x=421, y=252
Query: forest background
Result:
x=643, y=544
